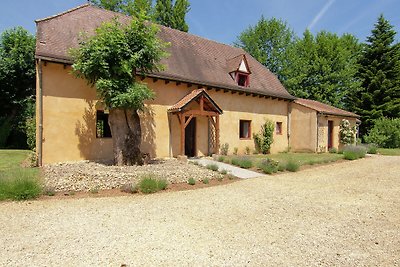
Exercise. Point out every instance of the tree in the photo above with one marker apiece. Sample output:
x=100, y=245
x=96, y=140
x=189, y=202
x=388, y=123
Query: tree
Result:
x=181, y=8
x=323, y=67
x=379, y=95
x=268, y=42
x=138, y=6
x=113, y=5
x=110, y=61
x=163, y=13
x=17, y=79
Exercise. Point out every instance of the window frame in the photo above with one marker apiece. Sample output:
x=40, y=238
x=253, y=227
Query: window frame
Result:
x=278, y=129
x=102, y=116
x=245, y=75
x=243, y=122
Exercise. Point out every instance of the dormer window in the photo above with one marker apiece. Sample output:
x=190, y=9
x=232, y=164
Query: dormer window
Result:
x=242, y=79
x=239, y=70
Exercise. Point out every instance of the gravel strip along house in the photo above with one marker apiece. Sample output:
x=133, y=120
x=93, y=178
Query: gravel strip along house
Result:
x=209, y=94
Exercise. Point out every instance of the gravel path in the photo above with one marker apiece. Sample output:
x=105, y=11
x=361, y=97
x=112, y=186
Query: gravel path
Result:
x=235, y=171
x=344, y=214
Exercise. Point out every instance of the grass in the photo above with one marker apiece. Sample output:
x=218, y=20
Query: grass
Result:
x=243, y=162
x=150, y=184
x=16, y=182
x=389, y=151
x=130, y=188
x=206, y=181
x=292, y=165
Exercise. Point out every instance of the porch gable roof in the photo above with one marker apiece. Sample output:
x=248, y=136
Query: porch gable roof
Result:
x=193, y=96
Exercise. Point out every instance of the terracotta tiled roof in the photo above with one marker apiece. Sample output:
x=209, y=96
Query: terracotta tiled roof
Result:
x=233, y=64
x=324, y=108
x=178, y=106
x=192, y=59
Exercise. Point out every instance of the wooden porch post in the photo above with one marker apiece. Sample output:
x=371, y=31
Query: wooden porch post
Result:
x=182, y=123
x=217, y=134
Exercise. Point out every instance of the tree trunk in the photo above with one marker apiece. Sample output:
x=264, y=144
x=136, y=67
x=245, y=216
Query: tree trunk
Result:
x=127, y=136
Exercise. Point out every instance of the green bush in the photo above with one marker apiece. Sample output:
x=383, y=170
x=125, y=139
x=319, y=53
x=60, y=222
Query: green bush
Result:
x=372, y=149
x=268, y=166
x=191, y=181
x=213, y=167
x=19, y=184
x=354, y=152
x=225, y=149
x=242, y=163
x=265, y=138
x=333, y=150
x=206, y=181
x=221, y=158
x=292, y=166
x=151, y=184
x=224, y=172
x=385, y=133
x=30, y=131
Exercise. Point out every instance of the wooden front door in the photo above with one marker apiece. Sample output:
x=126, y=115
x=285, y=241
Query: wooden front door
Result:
x=330, y=134
x=190, y=138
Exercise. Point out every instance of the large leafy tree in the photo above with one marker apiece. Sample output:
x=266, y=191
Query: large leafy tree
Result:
x=379, y=95
x=128, y=7
x=268, y=42
x=323, y=67
x=163, y=13
x=110, y=61
x=17, y=79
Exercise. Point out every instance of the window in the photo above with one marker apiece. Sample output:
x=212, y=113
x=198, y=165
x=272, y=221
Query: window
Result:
x=102, y=127
x=278, y=127
x=245, y=129
x=242, y=79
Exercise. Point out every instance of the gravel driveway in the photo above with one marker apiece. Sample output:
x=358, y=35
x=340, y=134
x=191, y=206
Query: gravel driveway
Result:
x=344, y=214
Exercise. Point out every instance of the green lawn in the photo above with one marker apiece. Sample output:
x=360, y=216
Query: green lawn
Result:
x=17, y=182
x=389, y=151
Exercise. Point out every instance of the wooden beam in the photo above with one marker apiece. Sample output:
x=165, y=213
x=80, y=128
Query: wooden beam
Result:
x=233, y=92
x=247, y=94
x=166, y=81
x=253, y=95
x=177, y=83
x=226, y=90
x=199, y=86
x=189, y=85
x=199, y=113
x=217, y=89
x=181, y=119
x=202, y=103
x=188, y=121
x=212, y=120
x=241, y=93
x=142, y=78
x=217, y=134
x=155, y=80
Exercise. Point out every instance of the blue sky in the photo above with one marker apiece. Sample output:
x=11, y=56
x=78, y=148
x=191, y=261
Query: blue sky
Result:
x=223, y=20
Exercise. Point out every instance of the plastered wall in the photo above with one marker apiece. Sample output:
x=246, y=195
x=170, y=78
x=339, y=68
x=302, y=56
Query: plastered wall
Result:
x=303, y=136
x=69, y=108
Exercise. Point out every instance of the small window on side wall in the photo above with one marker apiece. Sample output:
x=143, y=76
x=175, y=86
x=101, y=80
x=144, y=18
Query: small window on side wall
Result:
x=278, y=127
x=102, y=128
x=245, y=129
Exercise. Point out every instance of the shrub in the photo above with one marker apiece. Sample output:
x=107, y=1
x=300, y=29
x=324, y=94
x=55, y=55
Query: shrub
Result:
x=221, y=158
x=224, y=172
x=385, y=133
x=333, y=150
x=191, y=181
x=235, y=151
x=19, y=184
x=268, y=166
x=372, y=149
x=354, y=152
x=213, y=167
x=30, y=131
x=264, y=139
x=151, y=184
x=242, y=163
x=347, y=132
x=292, y=166
x=205, y=181
x=130, y=188
x=225, y=149
x=94, y=190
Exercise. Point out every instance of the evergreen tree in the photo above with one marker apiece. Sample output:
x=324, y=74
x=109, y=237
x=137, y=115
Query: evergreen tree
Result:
x=163, y=13
x=139, y=6
x=113, y=5
x=379, y=71
x=181, y=8
x=268, y=42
